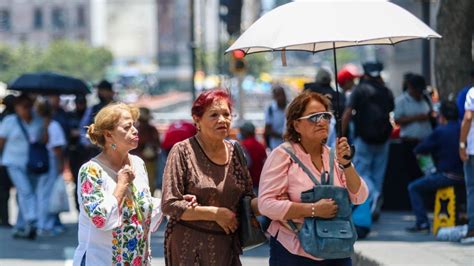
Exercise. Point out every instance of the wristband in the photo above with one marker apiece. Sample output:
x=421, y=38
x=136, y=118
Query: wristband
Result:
x=313, y=211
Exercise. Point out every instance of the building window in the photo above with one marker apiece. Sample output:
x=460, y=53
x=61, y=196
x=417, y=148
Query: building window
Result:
x=38, y=19
x=81, y=16
x=5, y=20
x=58, y=18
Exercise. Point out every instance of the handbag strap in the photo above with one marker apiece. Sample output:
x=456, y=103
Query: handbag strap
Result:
x=325, y=181
x=23, y=129
x=287, y=147
x=240, y=152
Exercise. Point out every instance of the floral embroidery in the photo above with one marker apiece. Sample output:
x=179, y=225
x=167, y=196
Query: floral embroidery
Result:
x=99, y=221
x=130, y=239
x=92, y=196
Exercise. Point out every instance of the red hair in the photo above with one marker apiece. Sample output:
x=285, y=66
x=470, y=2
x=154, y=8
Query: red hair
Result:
x=207, y=98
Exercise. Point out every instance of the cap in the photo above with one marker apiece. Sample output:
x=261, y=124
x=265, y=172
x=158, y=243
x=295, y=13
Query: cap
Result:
x=373, y=69
x=104, y=84
x=344, y=76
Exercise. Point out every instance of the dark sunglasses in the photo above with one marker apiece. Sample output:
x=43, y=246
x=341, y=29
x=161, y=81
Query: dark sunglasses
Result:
x=317, y=117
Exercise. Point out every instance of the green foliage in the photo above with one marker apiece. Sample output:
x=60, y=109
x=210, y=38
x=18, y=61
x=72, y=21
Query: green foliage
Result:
x=66, y=57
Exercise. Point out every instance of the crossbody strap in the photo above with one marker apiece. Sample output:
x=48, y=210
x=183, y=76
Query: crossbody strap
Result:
x=23, y=129
x=287, y=147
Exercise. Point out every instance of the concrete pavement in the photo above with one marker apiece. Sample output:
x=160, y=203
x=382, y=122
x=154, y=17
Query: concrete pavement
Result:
x=389, y=244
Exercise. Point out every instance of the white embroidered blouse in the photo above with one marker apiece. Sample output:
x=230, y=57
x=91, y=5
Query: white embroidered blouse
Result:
x=110, y=234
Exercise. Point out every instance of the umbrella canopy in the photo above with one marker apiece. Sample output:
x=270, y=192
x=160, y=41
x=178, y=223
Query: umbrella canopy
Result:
x=49, y=83
x=321, y=25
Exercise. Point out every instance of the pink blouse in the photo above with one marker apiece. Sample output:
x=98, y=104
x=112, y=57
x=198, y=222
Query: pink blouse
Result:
x=280, y=175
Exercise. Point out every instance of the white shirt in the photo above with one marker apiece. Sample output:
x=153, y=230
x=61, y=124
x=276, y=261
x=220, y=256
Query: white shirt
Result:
x=469, y=105
x=110, y=235
x=276, y=118
x=56, y=137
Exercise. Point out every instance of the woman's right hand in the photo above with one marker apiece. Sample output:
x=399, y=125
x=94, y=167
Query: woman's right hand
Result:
x=325, y=208
x=125, y=176
x=226, y=219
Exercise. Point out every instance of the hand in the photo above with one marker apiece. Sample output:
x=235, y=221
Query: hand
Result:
x=342, y=150
x=283, y=196
x=325, y=208
x=463, y=154
x=226, y=219
x=125, y=176
x=191, y=199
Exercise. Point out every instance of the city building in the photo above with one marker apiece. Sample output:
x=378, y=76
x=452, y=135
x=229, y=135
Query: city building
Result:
x=38, y=22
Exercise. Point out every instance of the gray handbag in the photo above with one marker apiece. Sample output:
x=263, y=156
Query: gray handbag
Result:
x=325, y=238
x=250, y=231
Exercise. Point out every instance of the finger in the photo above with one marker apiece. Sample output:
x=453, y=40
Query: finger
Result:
x=227, y=230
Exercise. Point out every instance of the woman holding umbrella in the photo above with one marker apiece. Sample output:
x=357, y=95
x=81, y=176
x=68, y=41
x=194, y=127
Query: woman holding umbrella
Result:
x=307, y=123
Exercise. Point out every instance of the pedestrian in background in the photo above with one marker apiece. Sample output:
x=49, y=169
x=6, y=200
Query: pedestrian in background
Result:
x=148, y=146
x=307, y=125
x=275, y=118
x=14, y=144
x=413, y=112
x=77, y=153
x=254, y=150
x=106, y=94
x=369, y=108
x=49, y=223
x=209, y=167
x=118, y=213
x=442, y=143
x=5, y=182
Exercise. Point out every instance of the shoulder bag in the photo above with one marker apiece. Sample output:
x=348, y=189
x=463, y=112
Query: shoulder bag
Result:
x=325, y=238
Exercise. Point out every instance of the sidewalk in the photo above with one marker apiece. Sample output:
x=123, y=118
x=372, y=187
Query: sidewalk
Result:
x=389, y=244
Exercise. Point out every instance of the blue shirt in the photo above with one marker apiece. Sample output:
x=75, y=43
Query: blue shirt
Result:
x=443, y=144
x=460, y=100
x=15, y=150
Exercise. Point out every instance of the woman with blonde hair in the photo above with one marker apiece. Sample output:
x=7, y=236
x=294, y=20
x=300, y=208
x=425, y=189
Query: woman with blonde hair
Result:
x=117, y=211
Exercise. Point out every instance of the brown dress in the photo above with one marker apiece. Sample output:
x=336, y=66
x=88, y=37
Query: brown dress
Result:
x=189, y=171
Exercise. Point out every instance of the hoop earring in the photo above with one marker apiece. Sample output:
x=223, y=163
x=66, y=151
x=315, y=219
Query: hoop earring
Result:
x=114, y=146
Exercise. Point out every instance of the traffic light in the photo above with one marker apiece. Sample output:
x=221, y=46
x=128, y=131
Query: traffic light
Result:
x=237, y=62
x=234, y=15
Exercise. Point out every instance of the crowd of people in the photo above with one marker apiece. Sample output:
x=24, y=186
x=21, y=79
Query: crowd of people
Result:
x=112, y=151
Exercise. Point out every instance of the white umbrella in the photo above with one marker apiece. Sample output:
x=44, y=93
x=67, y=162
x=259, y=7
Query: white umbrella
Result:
x=322, y=25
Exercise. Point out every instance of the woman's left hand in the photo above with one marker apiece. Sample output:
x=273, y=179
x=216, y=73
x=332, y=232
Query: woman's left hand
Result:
x=191, y=199
x=343, y=150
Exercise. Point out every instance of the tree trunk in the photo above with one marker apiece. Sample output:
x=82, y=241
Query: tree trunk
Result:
x=453, y=59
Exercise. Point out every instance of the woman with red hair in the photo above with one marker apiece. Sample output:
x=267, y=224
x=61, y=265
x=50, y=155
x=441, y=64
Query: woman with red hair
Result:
x=207, y=166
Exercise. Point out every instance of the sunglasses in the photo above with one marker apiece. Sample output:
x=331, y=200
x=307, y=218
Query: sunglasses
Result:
x=317, y=117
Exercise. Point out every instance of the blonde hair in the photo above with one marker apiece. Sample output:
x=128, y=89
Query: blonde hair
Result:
x=107, y=119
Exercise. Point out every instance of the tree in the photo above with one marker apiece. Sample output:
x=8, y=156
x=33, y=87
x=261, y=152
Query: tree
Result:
x=453, y=61
x=70, y=58
x=76, y=59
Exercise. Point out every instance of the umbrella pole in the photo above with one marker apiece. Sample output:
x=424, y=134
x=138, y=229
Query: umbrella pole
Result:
x=336, y=110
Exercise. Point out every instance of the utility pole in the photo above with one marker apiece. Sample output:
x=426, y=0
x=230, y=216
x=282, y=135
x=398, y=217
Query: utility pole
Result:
x=193, y=48
x=426, y=53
